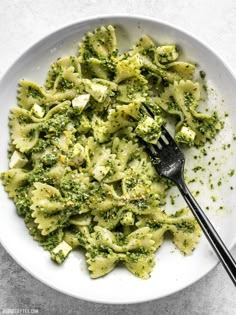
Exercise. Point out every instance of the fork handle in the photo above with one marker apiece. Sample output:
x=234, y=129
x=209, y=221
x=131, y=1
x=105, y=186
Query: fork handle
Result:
x=216, y=242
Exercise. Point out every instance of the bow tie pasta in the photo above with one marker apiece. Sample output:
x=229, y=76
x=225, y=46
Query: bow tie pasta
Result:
x=78, y=174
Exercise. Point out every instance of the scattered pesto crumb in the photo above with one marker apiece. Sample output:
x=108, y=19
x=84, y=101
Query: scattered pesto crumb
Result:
x=226, y=114
x=198, y=168
x=213, y=198
x=207, y=207
x=221, y=208
x=226, y=146
x=172, y=200
x=202, y=74
x=231, y=173
x=219, y=183
x=204, y=151
x=204, y=87
x=231, y=187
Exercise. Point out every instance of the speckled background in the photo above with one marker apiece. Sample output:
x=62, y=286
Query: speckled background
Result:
x=22, y=23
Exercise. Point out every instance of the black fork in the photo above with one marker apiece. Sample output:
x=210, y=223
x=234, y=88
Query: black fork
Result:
x=168, y=160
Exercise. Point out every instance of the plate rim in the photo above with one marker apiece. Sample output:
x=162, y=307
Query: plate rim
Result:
x=56, y=31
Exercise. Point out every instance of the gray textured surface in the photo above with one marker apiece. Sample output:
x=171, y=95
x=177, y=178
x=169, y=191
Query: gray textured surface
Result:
x=23, y=22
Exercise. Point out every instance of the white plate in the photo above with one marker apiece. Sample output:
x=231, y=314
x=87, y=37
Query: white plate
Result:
x=172, y=272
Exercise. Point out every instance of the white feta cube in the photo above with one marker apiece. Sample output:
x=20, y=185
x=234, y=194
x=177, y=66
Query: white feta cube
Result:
x=78, y=155
x=185, y=135
x=60, y=252
x=17, y=160
x=38, y=111
x=167, y=53
x=80, y=102
x=98, y=91
x=100, y=171
x=150, y=129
